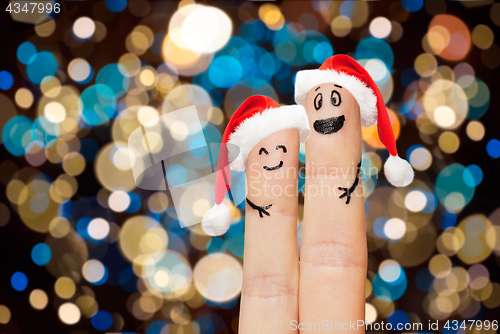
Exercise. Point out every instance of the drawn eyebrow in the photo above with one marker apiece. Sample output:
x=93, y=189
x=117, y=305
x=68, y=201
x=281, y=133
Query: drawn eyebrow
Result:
x=317, y=88
x=263, y=150
x=282, y=147
x=337, y=86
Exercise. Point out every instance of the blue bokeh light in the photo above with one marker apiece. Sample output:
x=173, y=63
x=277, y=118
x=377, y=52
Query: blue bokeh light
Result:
x=389, y=291
x=17, y=135
x=19, y=281
x=158, y=327
x=235, y=238
x=371, y=47
x=6, y=80
x=112, y=76
x=45, y=132
x=116, y=5
x=25, y=52
x=102, y=320
x=449, y=220
x=128, y=280
x=378, y=226
x=41, y=254
x=473, y=175
x=480, y=102
x=225, y=71
x=451, y=180
x=206, y=325
x=97, y=104
x=216, y=245
x=347, y=8
x=322, y=51
x=398, y=319
x=135, y=203
x=176, y=175
x=408, y=76
x=412, y=5
x=41, y=65
x=198, y=148
x=254, y=31
x=82, y=227
x=493, y=148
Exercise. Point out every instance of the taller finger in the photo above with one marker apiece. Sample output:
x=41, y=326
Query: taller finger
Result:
x=333, y=252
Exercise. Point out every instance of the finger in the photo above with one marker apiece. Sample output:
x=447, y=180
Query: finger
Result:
x=270, y=272
x=333, y=250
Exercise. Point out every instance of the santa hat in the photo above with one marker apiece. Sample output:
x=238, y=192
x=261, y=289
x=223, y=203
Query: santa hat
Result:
x=345, y=71
x=255, y=119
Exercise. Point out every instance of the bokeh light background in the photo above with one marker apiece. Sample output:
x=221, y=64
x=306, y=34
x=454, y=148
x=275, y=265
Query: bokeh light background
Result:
x=83, y=250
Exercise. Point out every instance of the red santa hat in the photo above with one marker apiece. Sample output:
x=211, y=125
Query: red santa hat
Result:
x=345, y=71
x=255, y=119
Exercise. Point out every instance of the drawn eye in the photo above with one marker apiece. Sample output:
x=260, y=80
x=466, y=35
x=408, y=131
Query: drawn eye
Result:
x=263, y=150
x=318, y=101
x=281, y=147
x=335, y=99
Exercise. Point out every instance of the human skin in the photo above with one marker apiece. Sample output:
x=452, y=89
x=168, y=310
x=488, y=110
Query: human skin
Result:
x=333, y=260
x=329, y=282
x=271, y=269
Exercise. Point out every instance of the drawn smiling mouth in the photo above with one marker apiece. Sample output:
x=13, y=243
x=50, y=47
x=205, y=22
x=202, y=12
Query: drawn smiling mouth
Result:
x=329, y=125
x=275, y=167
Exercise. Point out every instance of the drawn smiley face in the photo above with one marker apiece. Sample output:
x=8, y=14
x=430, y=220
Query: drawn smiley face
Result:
x=278, y=166
x=328, y=106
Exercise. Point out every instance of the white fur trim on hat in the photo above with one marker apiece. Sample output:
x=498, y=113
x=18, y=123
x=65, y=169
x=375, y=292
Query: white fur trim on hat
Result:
x=398, y=171
x=307, y=79
x=254, y=129
x=217, y=220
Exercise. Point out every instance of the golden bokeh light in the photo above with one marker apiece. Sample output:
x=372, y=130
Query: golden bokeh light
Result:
x=59, y=227
x=46, y=29
x=449, y=142
x=55, y=112
x=272, y=17
x=50, y=86
x=380, y=27
x=370, y=313
x=38, y=299
x=119, y=201
x=158, y=202
x=135, y=234
x=84, y=27
x=4, y=314
x=65, y=287
x=24, y=98
x=69, y=313
x=482, y=36
x=475, y=248
x=218, y=278
x=73, y=163
x=475, y=130
x=341, y=26
x=425, y=65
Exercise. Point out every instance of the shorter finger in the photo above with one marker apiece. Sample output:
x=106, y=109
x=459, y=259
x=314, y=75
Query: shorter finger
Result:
x=269, y=299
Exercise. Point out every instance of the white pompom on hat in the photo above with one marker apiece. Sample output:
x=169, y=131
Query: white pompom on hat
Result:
x=255, y=119
x=345, y=71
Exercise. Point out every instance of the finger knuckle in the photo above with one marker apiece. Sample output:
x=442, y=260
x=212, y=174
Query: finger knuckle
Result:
x=270, y=287
x=333, y=255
